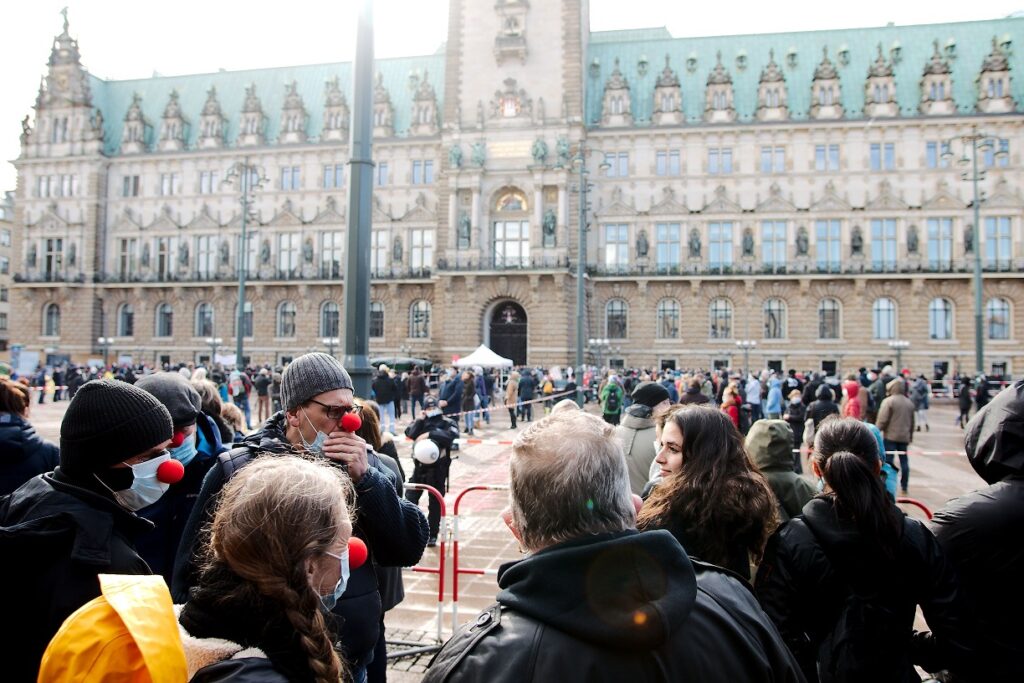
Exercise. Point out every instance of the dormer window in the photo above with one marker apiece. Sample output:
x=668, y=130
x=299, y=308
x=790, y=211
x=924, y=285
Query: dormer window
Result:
x=509, y=106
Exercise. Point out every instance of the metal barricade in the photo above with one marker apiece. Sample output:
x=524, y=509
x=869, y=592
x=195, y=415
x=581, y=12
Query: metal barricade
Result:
x=916, y=503
x=456, y=569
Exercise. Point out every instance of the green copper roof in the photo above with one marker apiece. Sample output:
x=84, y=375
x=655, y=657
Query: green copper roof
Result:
x=971, y=42
x=113, y=98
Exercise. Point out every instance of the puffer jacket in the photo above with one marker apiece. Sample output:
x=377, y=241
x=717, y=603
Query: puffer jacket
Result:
x=23, y=453
x=774, y=402
x=816, y=560
x=636, y=435
x=770, y=446
x=975, y=531
x=626, y=606
x=823, y=406
x=896, y=414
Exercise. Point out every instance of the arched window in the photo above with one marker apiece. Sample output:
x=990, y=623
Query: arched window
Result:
x=828, y=319
x=511, y=235
x=329, y=319
x=721, y=318
x=376, y=319
x=286, y=319
x=125, y=321
x=997, y=316
x=940, y=319
x=883, y=318
x=246, y=320
x=774, y=319
x=164, y=320
x=51, y=320
x=668, y=319
x=204, y=320
x=616, y=319
x=419, y=320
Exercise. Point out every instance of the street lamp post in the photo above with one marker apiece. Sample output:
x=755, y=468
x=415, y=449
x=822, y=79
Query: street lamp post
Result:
x=106, y=342
x=974, y=141
x=746, y=345
x=250, y=177
x=214, y=342
x=899, y=345
x=330, y=343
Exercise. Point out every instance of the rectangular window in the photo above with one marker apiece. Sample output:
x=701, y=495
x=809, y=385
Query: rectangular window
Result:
x=291, y=178
x=618, y=164
x=207, y=182
x=334, y=176
x=826, y=157
x=616, y=246
x=773, y=245
x=5, y=238
x=720, y=245
x=940, y=243
x=5, y=265
x=883, y=156
x=130, y=186
x=126, y=258
x=773, y=159
x=5, y=294
x=883, y=244
x=829, y=245
x=667, y=246
x=53, y=257
x=3, y=321
x=423, y=172
x=251, y=251
x=511, y=244
x=666, y=162
x=379, y=251
x=376, y=320
x=998, y=245
x=332, y=250
x=166, y=257
x=206, y=256
x=994, y=146
x=421, y=249
x=380, y=176
x=288, y=252
x=719, y=160
x=170, y=184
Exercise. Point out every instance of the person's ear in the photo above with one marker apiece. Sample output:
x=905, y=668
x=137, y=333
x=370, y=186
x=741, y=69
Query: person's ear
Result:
x=816, y=469
x=506, y=516
x=638, y=503
x=292, y=416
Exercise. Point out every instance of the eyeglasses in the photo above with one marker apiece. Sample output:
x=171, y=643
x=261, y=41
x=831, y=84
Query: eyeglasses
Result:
x=334, y=412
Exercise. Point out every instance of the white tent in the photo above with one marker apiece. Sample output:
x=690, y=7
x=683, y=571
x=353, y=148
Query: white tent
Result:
x=483, y=357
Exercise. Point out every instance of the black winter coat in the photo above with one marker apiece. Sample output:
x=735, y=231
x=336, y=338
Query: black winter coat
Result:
x=983, y=534
x=23, y=453
x=823, y=406
x=802, y=590
x=383, y=389
x=628, y=606
x=55, y=537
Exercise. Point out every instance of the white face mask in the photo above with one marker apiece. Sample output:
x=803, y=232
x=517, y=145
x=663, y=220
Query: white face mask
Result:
x=146, y=489
x=316, y=446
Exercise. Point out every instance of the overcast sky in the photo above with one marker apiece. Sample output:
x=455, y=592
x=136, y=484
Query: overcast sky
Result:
x=130, y=39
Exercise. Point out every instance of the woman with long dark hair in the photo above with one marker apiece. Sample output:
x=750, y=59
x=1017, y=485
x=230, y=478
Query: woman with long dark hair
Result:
x=842, y=580
x=710, y=497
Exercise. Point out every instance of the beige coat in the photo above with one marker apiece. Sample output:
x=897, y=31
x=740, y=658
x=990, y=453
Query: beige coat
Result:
x=896, y=414
x=512, y=392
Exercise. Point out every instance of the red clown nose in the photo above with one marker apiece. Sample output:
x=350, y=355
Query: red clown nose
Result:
x=170, y=472
x=350, y=422
x=357, y=553
x=178, y=439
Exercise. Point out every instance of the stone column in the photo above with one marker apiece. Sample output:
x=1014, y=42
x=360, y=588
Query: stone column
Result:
x=476, y=233
x=453, y=220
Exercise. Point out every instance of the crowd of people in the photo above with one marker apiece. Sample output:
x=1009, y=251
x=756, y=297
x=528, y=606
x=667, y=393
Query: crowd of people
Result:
x=672, y=538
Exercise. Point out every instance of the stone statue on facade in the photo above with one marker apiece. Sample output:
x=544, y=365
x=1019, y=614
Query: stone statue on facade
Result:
x=307, y=250
x=856, y=242
x=748, y=242
x=265, y=252
x=802, y=241
x=539, y=151
x=32, y=255
x=642, y=246
x=455, y=156
x=479, y=154
x=145, y=255
x=225, y=253
x=183, y=253
x=396, y=250
x=26, y=130
x=562, y=150
x=969, y=239
x=695, y=243
x=465, y=226
x=912, y=240
x=72, y=254
x=549, y=225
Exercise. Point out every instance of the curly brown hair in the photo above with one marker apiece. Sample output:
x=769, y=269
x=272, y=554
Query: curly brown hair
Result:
x=718, y=503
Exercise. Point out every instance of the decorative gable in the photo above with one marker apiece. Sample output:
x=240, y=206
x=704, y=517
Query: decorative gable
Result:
x=381, y=214
x=771, y=93
x=133, y=134
x=165, y=221
x=826, y=90
x=776, y=203
x=286, y=215
x=830, y=201
x=886, y=199
x=669, y=205
x=253, y=123
x=721, y=203
x=719, y=105
x=335, y=112
x=616, y=108
x=212, y=122
x=172, y=127
x=293, y=116
x=424, y=109
x=329, y=215
x=668, y=98
x=511, y=103
x=994, y=82
x=880, y=89
x=383, y=112
x=1003, y=197
x=937, y=86
x=419, y=213
x=618, y=206
x=204, y=220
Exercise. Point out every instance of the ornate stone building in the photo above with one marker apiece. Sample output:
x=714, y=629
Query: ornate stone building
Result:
x=789, y=189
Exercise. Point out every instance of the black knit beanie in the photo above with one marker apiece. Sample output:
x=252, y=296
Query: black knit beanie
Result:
x=176, y=393
x=108, y=422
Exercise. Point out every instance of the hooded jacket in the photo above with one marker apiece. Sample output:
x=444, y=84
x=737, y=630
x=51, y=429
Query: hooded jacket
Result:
x=625, y=606
x=636, y=436
x=693, y=395
x=23, y=453
x=55, y=537
x=816, y=560
x=896, y=414
x=823, y=406
x=770, y=446
x=981, y=532
x=774, y=404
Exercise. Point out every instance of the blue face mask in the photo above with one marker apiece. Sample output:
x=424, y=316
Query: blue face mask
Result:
x=821, y=484
x=186, y=451
x=329, y=601
x=316, y=446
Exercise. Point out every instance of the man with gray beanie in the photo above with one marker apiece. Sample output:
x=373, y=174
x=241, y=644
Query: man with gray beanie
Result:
x=316, y=392
x=61, y=529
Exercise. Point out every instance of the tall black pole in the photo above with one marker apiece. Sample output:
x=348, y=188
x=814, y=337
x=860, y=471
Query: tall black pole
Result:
x=360, y=199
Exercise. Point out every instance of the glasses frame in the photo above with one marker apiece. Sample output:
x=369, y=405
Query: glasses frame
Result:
x=329, y=409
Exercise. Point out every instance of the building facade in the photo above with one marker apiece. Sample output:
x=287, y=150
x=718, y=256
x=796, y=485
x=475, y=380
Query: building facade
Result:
x=802, y=191
x=6, y=239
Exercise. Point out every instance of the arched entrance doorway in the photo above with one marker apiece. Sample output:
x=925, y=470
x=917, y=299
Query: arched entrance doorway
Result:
x=507, y=331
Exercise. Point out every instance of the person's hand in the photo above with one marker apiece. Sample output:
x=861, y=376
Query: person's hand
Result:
x=349, y=450
x=442, y=404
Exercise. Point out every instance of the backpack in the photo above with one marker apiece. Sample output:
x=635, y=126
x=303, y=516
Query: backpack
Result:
x=612, y=404
x=236, y=387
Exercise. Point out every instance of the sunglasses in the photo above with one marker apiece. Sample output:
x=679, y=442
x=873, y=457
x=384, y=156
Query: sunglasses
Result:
x=333, y=412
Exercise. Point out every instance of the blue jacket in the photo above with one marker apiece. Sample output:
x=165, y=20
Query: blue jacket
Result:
x=23, y=453
x=452, y=393
x=774, y=404
x=670, y=386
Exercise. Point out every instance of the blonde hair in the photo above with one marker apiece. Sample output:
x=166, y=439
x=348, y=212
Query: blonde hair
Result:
x=232, y=414
x=274, y=515
x=209, y=397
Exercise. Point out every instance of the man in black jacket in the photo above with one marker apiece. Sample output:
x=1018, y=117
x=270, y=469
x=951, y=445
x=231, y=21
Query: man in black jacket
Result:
x=597, y=600
x=317, y=392
x=384, y=393
x=433, y=426
x=980, y=532
x=61, y=529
